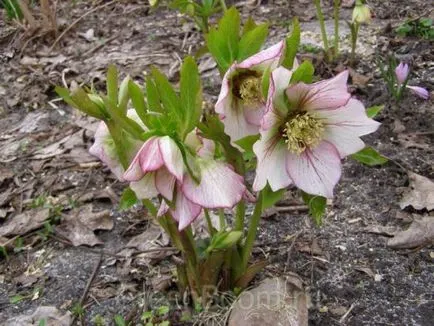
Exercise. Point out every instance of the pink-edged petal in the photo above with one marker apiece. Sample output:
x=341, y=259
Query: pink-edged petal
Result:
x=149, y=156
x=164, y=208
x=134, y=171
x=324, y=95
x=253, y=113
x=268, y=56
x=104, y=149
x=419, y=91
x=219, y=185
x=275, y=108
x=172, y=156
x=185, y=211
x=145, y=187
x=352, y=117
x=345, y=141
x=236, y=125
x=165, y=183
x=207, y=149
x=316, y=171
x=271, y=166
x=225, y=97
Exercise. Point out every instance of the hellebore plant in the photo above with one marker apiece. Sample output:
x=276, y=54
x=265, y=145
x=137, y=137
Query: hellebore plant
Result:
x=397, y=77
x=182, y=163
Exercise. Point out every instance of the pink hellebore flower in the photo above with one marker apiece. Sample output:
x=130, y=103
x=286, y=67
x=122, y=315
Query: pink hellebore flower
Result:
x=160, y=161
x=306, y=131
x=104, y=148
x=401, y=72
x=241, y=103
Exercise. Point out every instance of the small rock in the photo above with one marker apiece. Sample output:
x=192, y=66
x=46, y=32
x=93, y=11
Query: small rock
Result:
x=274, y=302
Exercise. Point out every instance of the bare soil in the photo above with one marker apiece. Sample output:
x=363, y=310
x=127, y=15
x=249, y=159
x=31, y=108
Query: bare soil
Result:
x=351, y=275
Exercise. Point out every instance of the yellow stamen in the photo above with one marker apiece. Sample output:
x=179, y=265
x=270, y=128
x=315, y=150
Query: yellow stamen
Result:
x=302, y=131
x=250, y=89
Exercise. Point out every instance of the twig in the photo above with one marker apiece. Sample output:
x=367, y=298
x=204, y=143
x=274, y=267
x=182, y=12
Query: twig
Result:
x=89, y=283
x=346, y=314
x=292, y=246
x=99, y=46
x=75, y=22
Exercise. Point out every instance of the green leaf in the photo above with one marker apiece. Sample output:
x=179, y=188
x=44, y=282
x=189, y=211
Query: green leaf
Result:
x=147, y=315
x=191, y=94
x=252, y=41
x=270, y=197
x=265, y=82
x=168, y=96
x=124, y=95
x=304, y=73
x=162, y=310
x=112, y=84
x=224, y=240
x=119, y=321
x=128, y=199
x=138, y=100
x=317, y=206
x=247, y=142
x=248, y=25
x=374, y=110
x=369, y=156
x=80, y=100
x=292, y=44
x=16, y=299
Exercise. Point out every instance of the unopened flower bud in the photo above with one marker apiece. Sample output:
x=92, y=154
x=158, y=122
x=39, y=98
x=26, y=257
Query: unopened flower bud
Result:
x=361, y=13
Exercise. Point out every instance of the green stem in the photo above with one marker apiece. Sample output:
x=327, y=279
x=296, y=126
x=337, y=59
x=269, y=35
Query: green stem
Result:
x=150, y=207
x=251, y=233
x=209, y=223
x=116, y=134
x=239, y=216
x=223, y=5
x=222, y=219
x=322, y=26
x=354, y=35
x=336, y=4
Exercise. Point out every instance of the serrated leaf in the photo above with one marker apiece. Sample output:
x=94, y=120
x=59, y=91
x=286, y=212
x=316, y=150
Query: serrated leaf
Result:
x=317, y=206
x=270, y=197
x=128, y=199
x=374, y=110
x=292, y=44
x=224, y=240
x=369, y=156
x=249, y=25
x=123, y=95
x=191, y=95
x=304, y=73
x=85, y=104
x=252, y=41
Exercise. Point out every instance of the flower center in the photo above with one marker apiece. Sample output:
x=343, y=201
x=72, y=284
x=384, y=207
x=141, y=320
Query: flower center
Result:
x=302, y=131
x=250, y=89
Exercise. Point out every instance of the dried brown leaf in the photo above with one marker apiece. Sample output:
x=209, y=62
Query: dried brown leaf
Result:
x=420, y=193
x=24, y=222
x=420, y=233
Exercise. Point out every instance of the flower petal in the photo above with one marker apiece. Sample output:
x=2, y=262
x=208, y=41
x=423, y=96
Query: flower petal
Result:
x=185, y=211
x=419, y=91
x=165, y=183
x=104, y=149
x=266, y=57
x=145, y=187
x=149, y=156
x=401, y=72
x=317, y=170
x=134, y=171
x=275, y=108
x=253, y=113
x=172, y=156
x=344, y=125
x=271, y=166
x=324, y=95
x=219, y=185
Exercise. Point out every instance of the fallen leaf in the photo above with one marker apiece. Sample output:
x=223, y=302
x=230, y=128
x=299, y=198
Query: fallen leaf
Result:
x=276, y=301
x=420, y=193
x=420, y=233
x=24, y=222
x=413, y=141
x=79, y=226
x=5, y=174
x=359, y=79
x=388, y=231
x=52, y=316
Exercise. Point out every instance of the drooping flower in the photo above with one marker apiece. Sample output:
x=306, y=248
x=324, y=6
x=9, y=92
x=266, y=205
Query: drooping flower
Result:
x=361, y=13
x=419, y=91
x=104, y=148
x=306, y=131
x=214, y=184
x=241, y=103
x=401, y=72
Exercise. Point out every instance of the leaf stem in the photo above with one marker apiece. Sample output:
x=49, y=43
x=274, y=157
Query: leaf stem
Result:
x=336, y=8
x=209, y=222
x=320, y=17
x=223, y=5
x=239, y=216
x=222, y=219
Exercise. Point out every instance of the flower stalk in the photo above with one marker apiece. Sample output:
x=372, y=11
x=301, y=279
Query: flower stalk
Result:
x=320, y=17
